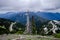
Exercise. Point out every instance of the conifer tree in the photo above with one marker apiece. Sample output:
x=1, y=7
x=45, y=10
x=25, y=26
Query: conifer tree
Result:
x=33, y=26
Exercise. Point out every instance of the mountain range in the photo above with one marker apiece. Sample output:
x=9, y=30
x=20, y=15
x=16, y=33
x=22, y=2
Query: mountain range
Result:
x=38, y=16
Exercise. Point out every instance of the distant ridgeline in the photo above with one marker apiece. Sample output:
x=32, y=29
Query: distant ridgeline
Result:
x=21, y=17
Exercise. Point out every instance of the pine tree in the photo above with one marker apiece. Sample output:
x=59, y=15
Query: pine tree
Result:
x=33, y=25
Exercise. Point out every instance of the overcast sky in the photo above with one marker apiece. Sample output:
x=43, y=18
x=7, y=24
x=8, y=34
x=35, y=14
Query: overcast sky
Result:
x=32, y=5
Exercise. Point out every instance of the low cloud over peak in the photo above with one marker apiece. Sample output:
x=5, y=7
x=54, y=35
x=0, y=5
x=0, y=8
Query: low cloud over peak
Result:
x=32, y=5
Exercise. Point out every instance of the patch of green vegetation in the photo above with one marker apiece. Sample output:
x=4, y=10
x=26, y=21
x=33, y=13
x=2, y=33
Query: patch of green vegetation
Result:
x=9, y=39
x=19, y=32
x=57, y=35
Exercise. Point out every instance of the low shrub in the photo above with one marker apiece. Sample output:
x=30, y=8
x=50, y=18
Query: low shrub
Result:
x=57, y=35
x=19, y=32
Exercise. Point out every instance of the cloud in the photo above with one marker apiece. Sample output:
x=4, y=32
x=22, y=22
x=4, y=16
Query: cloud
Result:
x=32, y=5
x=50, y=4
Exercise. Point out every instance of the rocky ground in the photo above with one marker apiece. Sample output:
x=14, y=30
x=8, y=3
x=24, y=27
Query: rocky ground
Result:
x=26, y=37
